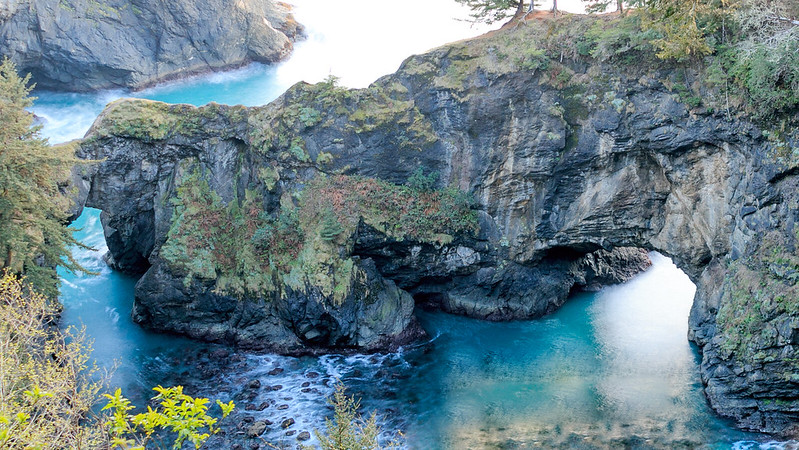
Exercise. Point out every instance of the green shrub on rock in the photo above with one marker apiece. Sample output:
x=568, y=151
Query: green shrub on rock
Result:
x=254, y=254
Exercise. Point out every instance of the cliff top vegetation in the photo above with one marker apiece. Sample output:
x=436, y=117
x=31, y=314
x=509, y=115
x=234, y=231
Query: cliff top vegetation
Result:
x=745, y=50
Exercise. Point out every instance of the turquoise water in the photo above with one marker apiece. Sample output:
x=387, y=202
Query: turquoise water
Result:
x=354, y=40
x=612, y=369
x=68, y=116
x=101, y=304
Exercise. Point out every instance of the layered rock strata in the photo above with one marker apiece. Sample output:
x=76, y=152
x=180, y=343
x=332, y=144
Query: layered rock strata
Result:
x=83, y=45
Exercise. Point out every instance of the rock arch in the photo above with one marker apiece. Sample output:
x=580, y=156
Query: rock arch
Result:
x=553, y=182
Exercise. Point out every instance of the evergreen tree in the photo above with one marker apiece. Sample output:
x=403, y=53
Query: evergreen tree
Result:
x=598, y=6
x=348, y=430
x=330, y=226
x=490, y=11
x=33, y=234
x=683, y=25
x=687, y=27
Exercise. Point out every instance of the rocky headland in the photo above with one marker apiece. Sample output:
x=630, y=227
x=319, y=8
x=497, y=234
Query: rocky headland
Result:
x=84, y=45
x=484, y=178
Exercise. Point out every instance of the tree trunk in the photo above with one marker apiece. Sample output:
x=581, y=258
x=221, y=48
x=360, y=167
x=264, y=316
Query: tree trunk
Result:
x=620, y=6
x=520, y=8
x=555, y=7
x=9, y=259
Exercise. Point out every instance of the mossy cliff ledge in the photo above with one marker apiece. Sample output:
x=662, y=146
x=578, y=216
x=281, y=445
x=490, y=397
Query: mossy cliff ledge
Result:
x=484, y=178
x=82, y=45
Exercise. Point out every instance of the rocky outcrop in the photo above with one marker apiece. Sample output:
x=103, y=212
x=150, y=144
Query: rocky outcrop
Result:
x=175, y=181
x=474, y=279
x=545, y=170
x=375, y=315
x=81, y=45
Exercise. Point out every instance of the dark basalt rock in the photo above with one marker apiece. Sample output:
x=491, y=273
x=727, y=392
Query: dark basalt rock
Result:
x=566, y=183
x=88, y=45
x=298, y=323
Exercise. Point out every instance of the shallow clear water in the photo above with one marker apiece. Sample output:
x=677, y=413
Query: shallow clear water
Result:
x=608, y=369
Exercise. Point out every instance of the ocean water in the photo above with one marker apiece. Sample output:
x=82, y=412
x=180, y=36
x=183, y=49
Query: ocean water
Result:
x=610, y=369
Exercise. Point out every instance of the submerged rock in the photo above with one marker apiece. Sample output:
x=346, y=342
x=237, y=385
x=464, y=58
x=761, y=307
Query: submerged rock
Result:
x=81, y=45
x=314, y=223
x=256, y=429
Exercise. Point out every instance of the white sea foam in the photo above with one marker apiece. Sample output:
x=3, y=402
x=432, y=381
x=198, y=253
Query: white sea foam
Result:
x=70, y=285
x=113, y=314
x=67, y=116
x=770, y=445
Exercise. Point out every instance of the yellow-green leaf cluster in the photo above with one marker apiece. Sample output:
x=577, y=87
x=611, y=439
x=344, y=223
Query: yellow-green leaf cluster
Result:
x=47, y=386
x=183, y=415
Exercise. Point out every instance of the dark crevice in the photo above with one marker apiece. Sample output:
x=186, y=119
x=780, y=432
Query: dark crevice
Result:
x=429, y=301
x=568, y=253
x=784, y=174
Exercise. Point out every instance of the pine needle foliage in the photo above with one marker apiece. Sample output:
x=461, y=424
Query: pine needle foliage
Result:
x=764, y=62
x=686, y=27
x=34, y=238
x=348, y=430
x=330, y=226
x=491, y=11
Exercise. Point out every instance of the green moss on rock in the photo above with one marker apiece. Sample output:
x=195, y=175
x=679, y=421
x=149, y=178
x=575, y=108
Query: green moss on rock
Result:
x=760, y=293
x=149, y=120
x=305, y=106
x=251, y=254
x=209, y=240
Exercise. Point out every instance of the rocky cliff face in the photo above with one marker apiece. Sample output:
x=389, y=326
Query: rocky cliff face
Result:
x=246, y=238
x=289, y=224
x=87, y=45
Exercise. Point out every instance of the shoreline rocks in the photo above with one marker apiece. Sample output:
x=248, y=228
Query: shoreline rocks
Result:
x=85, y=45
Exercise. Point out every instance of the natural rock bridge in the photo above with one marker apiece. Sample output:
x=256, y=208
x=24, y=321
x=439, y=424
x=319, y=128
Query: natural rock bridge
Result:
x=558, y=176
